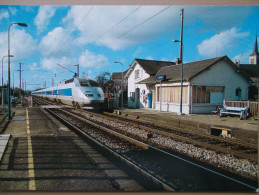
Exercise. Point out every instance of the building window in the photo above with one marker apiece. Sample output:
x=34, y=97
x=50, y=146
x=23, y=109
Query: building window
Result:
x=202, y=94
x=136, y=74
x=238, y=93
x=173, y=94
x=132, y=96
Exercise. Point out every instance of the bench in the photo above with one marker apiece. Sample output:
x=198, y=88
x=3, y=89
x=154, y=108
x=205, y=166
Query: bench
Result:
x=242, y=112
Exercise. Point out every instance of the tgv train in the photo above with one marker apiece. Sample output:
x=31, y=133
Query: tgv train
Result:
x=78, y=92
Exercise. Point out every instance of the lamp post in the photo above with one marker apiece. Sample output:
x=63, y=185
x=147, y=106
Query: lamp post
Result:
x=181, y=61
x=3, y=81
x=8, y=84
x=122, y=83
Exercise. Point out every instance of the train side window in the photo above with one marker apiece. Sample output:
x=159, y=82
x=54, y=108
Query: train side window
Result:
x=84, y=84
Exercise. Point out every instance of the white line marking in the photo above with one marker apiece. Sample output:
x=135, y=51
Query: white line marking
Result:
x=32, y=185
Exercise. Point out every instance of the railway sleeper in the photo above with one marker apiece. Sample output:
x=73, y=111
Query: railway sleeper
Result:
x=134, y=166
x=219, y=139
x=108, y=130
x=202, y=143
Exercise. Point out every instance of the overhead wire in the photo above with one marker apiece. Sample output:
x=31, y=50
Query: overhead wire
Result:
x=116, y=24
x=134, y=27
x=71, y=29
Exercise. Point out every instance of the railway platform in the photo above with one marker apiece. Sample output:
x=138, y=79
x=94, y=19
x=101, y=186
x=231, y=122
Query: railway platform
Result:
x=244, y=130
x=39, y=153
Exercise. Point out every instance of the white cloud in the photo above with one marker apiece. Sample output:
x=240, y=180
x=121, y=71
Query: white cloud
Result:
x=149, y=58
x=43, y=17
x=242, y=58
x=58, y=42
x=97, y=24
x=89, y=59
x=35, y=76
x=51, y=63
x=34, y=67
x=22, y=45
x=218, y=44
x=4, y=14
x=13, y=10
x=164, y=59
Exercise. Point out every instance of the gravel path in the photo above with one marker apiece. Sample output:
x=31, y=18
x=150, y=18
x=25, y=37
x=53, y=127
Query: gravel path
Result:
x=226, y=161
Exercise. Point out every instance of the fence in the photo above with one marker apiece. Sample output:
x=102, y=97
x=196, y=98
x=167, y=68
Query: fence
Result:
x=253, y=106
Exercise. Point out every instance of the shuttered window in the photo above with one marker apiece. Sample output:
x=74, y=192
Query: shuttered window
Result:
x=173, y=94
x=202, y=94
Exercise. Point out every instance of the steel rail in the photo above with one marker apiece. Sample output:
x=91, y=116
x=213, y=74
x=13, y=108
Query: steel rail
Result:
x=194, y=141
x=128, y=162
x=164, y=152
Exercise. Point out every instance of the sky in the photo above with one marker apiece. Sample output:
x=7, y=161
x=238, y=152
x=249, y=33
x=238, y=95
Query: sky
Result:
x=96, y=36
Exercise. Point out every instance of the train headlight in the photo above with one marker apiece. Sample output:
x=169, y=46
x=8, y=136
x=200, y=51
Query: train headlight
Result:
x=89, y=95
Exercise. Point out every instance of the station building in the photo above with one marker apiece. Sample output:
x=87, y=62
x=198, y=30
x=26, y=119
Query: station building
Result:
x=141, y=95
x=206, y=84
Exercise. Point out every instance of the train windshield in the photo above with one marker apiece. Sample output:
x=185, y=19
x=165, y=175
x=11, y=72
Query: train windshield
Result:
x=88, y=83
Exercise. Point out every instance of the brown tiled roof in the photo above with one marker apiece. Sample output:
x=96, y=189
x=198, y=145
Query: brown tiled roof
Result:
x=250, y=71
x=152, y=66
x=190, y=70
x=117, y=75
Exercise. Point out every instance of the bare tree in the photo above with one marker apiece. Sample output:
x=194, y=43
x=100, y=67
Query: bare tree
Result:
x=103, y=79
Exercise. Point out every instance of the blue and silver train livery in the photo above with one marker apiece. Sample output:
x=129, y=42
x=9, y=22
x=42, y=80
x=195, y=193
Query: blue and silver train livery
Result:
x=78, y=92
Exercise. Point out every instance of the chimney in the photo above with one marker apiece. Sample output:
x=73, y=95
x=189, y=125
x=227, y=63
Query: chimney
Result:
x=177, y=61
x=235, y=61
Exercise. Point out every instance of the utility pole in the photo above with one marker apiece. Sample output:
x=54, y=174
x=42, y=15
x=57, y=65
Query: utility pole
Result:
x=181, y=38
x=13, y=83
x=181, y=60
x=77, y=69
x=20, y=91
x=70, y=70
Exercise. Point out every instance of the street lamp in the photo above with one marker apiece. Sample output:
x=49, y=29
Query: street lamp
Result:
x=8, y=85
x=122, y=83
x=3, y=81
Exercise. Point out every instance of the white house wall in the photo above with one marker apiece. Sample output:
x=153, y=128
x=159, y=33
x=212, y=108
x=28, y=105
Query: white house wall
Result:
x=173, y=106
x=222, y=74
x=132, y=86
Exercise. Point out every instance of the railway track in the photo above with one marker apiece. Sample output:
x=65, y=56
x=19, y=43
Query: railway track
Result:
x=42, y=101
x=218, y=144
x=187, y=140
x=165, y=169
x=117, y=144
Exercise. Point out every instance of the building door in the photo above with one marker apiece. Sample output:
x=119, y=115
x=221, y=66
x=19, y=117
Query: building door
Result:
x=149, y=100
x=137, y=98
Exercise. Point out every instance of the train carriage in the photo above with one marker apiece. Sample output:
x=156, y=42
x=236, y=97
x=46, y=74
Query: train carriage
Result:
x=78, y=92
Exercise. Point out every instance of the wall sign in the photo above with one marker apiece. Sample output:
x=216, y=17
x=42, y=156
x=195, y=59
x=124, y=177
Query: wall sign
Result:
x=161, y=77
